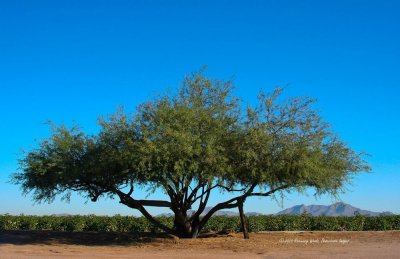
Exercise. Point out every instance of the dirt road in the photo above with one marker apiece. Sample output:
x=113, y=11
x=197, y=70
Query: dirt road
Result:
x=42, y=244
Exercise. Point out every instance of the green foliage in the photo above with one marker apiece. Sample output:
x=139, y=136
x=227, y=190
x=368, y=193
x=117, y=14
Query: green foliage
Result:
x=190, y=145
x=215, y=224
x=223, y=223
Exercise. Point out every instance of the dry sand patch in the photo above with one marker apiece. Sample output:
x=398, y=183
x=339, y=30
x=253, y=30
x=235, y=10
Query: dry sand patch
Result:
x=46, y=244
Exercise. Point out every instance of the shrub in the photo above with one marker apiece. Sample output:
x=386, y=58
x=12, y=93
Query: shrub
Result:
x=120, y=223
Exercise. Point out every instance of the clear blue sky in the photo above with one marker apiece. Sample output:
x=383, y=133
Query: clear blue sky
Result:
x=76, y=60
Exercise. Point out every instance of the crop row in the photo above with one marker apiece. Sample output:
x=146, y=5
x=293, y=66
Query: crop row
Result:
x=218, y=223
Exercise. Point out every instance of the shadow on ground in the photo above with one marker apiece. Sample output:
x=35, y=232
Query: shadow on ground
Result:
x=80, y=238
x=32, y=237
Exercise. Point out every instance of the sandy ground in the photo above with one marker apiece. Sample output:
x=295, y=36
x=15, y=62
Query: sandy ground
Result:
x=42, y=244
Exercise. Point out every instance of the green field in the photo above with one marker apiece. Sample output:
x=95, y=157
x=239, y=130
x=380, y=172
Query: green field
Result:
x=119, y=223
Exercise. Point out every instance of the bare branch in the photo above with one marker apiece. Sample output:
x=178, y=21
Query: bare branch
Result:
x=269, y=193
x=138, y=204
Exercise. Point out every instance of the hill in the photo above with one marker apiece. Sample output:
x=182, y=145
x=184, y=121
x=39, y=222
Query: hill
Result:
x=336, y=209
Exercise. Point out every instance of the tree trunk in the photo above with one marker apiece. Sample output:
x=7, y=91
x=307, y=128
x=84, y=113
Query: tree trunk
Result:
x=195, y=227
x=195, y=232
x=243, y=221
x=182, y=226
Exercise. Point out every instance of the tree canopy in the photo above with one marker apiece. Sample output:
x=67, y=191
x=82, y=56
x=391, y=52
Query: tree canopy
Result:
x=191, y=144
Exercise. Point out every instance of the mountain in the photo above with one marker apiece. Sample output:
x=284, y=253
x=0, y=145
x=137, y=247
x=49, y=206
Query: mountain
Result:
x=227, y=213
x=61, y=215
x=336, y=209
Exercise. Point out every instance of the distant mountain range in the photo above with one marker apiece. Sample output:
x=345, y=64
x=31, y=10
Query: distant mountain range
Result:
x=227, y=213
x=336, y=209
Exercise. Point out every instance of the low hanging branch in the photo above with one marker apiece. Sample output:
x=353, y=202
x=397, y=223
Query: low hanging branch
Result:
x=139, y=205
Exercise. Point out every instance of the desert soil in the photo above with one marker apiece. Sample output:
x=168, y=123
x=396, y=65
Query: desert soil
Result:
x=43, y=244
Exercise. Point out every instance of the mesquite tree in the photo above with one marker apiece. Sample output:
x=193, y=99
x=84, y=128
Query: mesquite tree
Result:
x=192, y=144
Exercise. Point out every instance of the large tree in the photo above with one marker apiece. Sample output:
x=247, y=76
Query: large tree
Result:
x=192, y=144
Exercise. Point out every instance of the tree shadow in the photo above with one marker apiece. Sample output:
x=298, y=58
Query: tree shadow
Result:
x=81, y=238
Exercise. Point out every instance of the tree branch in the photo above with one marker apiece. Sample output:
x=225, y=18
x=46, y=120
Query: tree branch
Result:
x=194, y=192
x=229, y=189
x=202, y=204
x=226, y=205
x=138, y=204
x=269, y=192
x=239, y=200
